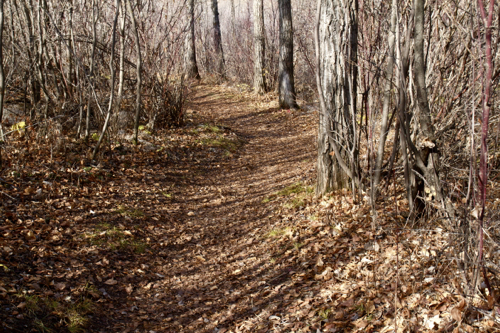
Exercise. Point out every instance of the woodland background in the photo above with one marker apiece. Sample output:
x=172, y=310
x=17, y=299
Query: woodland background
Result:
x=84, y=82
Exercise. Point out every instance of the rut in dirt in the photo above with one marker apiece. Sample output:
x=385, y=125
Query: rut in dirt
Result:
x=219, y=270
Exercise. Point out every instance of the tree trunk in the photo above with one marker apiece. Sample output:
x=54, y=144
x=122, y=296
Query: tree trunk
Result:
x=220, y=67
x=426, y=142
x=233, y=18
x=336, y=78
x=121, y=68
x=286, y=85
x=138, y=66
x=259, y=33
x=190, y=65
x=35, y=84
x=2, y=75
x=91, y=70
x=387, y=99
x=112, y=82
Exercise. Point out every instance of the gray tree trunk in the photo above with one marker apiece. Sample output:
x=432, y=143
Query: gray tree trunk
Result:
x=121, y=69
x=138, y=70
x=259, y=33
x=336, y=77
x=220, y=67
x=190, y=64
x=387, y=99
x=112, y=81
x=2, y=74
x=286, y=85
x=427, y=186
x=91, y=71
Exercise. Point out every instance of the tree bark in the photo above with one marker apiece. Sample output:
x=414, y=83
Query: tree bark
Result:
x=121, y=68
x=190, y=64
x=286, y=85
x=91, y=70
x=259, y=33
x=426, y=143
x=387, y=99
x=2, y=75
x=138, y=70
x=336, y=77
x=112, y=81
x=219, y=52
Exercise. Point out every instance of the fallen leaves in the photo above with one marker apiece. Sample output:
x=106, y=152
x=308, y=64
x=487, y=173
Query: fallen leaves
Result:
x=183, y=239
x=111, y=282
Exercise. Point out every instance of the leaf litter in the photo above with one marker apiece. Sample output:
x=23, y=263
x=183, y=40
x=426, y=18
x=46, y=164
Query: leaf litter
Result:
x=216, y=229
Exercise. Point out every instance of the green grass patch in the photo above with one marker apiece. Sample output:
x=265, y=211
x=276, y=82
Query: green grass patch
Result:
x=48, y=315
x=297, y=246
x=268, y=199
x=130, y=212
x=211, y=128
x=324, y=313
x=115, y=239
x=221, y=142
x=277, y=232
x=298, y=193
x=297, y=188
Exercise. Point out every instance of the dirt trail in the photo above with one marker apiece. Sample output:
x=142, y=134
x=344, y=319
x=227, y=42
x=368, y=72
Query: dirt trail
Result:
x=172, y=235
x=219, y=273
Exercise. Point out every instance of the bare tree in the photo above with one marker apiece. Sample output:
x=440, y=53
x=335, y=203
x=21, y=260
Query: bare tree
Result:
x=218, y=40
x=112, y=81
x=386, y=99
x=91, y=79
x=336, y=75
x=138, y=67
x=2, y=75
x=259, y=33
x=190, y=64
x=286, y=85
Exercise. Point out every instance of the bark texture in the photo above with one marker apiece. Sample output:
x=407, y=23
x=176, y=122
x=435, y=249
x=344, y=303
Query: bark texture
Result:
x=427, y=157
x=2, y=74
x=336, y=52
x=220, y=67
x=259, y=82
x=387, y=98
x=286, y=85
x=190, y=64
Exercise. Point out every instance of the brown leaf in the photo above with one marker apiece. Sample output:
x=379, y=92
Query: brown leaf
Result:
x=111, y=282
x=30, y=235
x=60, y=286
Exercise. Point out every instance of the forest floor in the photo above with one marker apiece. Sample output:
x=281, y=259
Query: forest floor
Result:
x=213, y=227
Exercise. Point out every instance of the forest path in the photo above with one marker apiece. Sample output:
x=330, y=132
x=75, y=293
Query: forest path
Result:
x=182, y=233
x=220, y=272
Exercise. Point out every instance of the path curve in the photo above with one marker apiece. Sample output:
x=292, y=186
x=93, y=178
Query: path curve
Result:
x=220, y=275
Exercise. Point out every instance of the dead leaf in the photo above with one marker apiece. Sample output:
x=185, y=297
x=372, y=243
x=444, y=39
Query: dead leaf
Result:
x=111, y=282
x=60, y=286
x=30, y=235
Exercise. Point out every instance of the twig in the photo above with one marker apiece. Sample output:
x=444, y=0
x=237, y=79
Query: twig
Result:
x=8, y=195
